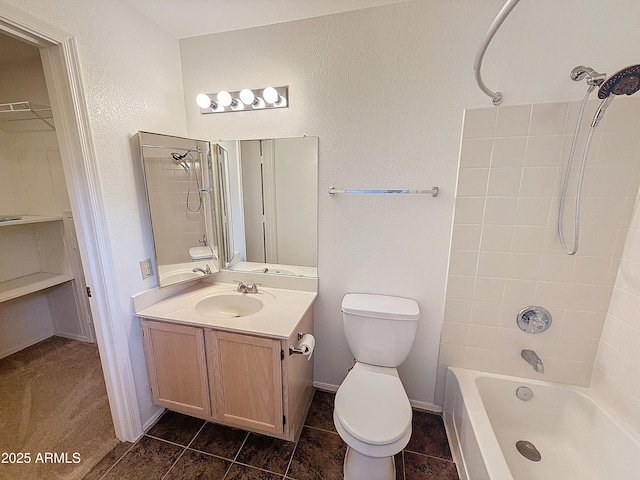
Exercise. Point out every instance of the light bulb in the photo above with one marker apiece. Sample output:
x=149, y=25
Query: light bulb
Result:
x=270, y=95
x=224, y=98
x=247, y=97
x=203, y=100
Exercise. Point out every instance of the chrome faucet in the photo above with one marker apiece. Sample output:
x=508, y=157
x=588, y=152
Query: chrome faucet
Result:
x=205, y=271
x=244, y=288
x=533, y=359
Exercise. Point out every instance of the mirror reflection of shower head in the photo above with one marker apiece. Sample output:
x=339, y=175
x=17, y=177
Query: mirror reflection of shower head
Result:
x=624, y=82
x=179, y=159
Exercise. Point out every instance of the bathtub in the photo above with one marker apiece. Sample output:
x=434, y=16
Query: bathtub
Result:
x=574, y=436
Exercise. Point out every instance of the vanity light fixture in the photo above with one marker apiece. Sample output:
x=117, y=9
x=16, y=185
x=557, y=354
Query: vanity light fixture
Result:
x=245, y=99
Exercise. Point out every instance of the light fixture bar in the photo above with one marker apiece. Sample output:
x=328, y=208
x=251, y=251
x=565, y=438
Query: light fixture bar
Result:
x=243, y=100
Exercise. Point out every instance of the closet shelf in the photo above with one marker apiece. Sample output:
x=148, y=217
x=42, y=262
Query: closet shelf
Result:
x=19, y=116
x=26, y=219
x=31, y=283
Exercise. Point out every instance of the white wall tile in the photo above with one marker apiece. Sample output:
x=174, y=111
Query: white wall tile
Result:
x=466, y=237
x=548, y=119
x=504, y=182
x=508, y=151
x=479, y=123
x=512, y=120
x=476, y=152
x=519, y=259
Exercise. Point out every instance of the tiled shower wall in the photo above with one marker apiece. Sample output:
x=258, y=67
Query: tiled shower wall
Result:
x=616, y=376
x=505, y=254
x=178, y=220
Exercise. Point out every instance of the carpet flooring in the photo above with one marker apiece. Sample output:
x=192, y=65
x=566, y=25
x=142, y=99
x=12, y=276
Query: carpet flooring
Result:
x=55, y=421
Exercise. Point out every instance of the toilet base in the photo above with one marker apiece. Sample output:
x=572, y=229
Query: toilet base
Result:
x=361, y=467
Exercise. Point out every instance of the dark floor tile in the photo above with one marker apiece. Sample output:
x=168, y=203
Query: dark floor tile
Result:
x=242, y=472
x=424, y=467
x=321, y=411
x=399, y=463
x=428, y=436
x=219, y=440
x=176, y=427
x=319, y=455
x=148, y=459
x=194, y=465
x=108, y=461
x=266, y=453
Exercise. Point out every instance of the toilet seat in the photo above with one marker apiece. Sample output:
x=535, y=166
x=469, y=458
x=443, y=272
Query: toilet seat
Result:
x=373, y=408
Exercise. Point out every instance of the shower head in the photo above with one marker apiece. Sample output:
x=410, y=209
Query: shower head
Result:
x=624, y=82
x=179, y=159
x=594, y=79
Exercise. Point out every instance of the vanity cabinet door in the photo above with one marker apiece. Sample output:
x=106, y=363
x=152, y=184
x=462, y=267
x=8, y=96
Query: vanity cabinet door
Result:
x=177, y=368
x=246, y=380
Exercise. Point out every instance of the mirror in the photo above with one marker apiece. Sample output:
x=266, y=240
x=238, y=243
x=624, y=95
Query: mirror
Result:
x=268, y=195
x=182, y=197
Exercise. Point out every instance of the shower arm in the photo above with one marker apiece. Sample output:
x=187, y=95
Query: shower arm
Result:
x=496, y=97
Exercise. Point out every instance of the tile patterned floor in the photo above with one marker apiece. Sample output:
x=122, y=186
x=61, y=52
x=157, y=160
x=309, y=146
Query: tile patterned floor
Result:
x=180, y=447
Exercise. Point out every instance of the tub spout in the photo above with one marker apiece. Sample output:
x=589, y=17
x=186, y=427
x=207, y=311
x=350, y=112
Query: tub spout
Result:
x=533, y=359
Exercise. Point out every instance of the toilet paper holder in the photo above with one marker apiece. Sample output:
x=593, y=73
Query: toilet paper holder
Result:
x=299, y=351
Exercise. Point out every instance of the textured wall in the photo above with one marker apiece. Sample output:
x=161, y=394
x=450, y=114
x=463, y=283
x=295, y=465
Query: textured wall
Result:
x=385, y=89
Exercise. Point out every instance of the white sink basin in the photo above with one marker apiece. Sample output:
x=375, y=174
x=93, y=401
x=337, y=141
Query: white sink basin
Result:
x=179, y=276
x=228, y=305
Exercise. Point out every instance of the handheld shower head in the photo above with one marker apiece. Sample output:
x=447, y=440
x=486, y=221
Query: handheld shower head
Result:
x=624, y=82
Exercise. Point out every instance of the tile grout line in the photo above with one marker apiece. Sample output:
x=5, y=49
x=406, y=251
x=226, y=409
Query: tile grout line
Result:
x=116, y=462
x=295, y=447
x=184, y=449
x=236, y=455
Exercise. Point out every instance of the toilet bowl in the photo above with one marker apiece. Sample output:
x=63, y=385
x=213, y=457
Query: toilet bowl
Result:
x=372, y=413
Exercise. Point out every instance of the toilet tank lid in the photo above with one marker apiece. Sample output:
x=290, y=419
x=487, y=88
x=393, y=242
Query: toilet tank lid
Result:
x=200, y=252
x=380, y=306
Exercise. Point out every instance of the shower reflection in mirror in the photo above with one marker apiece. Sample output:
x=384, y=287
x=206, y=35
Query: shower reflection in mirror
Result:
x=181, y=201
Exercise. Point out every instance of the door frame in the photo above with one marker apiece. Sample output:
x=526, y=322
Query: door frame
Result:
x=61, y=65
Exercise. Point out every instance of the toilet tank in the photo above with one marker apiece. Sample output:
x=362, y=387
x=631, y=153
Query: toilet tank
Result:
x=380, y=329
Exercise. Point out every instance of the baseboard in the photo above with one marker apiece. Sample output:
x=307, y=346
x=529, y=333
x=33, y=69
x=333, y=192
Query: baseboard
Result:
x=153, y=419
x=429, y=407
x=72, y=336
x=16, y=348
x=426, y=406
x=326, y=386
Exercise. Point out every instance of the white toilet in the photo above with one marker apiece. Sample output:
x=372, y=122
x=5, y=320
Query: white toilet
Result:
x=372, y=413
x=198, y=254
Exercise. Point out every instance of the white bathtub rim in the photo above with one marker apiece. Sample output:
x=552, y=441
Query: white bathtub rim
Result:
x=492, y=454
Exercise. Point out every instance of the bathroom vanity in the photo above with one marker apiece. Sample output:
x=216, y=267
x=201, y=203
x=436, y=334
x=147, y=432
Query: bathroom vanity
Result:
x=223, y=356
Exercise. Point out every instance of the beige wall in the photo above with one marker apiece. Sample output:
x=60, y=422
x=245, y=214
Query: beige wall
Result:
x=505, y=252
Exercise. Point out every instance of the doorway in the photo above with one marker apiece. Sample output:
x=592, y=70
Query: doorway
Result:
x=60, y=61
x=51, y=379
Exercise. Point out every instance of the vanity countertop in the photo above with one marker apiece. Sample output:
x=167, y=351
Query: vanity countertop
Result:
x=279, y=316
